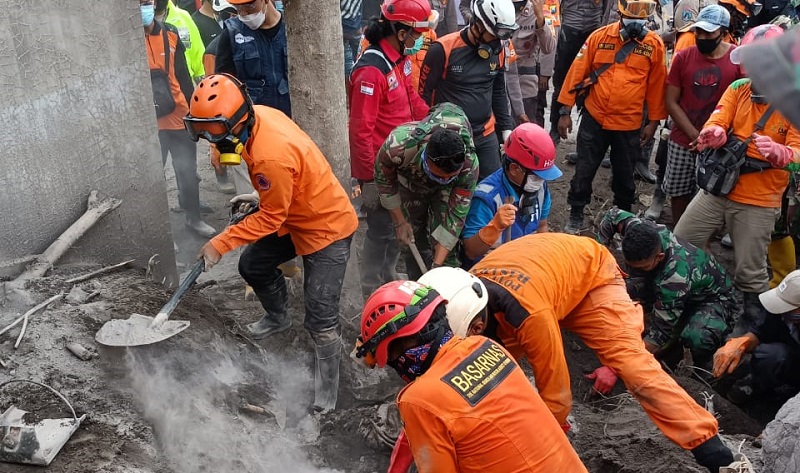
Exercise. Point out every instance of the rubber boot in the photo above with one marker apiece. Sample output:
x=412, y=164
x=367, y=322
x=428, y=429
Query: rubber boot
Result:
x=328, y=351
x=713, y=454
x=275, y=300
x=641, y=169
x=657, y=206
x=782, y=259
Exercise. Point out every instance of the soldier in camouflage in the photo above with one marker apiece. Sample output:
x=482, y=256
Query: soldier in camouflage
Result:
x=426, y=172
x=694, y=302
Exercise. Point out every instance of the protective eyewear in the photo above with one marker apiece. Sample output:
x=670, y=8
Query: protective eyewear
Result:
x=249, y=7
x=640, y=9
x=215, y=129
x=439, y=162
x=505, y=32
x=422, y=26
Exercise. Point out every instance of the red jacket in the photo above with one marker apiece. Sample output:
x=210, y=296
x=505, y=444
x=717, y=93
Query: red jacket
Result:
x=382, y=97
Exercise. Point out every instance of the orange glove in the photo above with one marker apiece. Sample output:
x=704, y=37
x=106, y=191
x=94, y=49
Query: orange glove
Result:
x=503, y=218
x=604, y=379
x=728, y=357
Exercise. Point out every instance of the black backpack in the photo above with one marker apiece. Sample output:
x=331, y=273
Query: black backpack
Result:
x=159, y=78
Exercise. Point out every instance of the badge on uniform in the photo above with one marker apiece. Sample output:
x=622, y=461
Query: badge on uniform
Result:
x=262, y=182
x=407, y=68
x=367, y=88
x=392, y=80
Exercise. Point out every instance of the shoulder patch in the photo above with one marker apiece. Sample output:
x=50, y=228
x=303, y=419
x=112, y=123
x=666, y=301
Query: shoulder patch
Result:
x=263, y=182
x=482, y=371
x=367, y=88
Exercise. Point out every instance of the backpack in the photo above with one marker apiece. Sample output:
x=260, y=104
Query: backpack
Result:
x=163, y=100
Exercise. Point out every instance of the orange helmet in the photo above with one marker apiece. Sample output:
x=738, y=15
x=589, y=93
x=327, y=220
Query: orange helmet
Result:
x=745, y=7
x=219, y=103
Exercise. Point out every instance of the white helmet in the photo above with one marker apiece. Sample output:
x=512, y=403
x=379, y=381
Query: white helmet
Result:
x=221, y=5
x=498, y=16
x=465, y=294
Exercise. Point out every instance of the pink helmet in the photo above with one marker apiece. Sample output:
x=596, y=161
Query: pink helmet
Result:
x=758, y=33
x=530, y=146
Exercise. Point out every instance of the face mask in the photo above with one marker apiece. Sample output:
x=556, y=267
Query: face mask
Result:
x=416, y=48
x=707, y=46
x=533, y=183
x=279, y=5
x=433, y=177
x=633, y=22
x=634, y=28
x=148, y=14
x=254, y=20
x=409, y=364
x=231, y=148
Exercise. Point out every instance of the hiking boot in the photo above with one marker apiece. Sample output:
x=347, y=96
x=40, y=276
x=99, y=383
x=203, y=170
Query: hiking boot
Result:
x=201, y=228
x=571, y=158
x=575, y=224
x=642, y=171
x=654, y=211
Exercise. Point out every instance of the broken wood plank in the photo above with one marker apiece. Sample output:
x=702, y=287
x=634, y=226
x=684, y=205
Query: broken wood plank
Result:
x=98, y=272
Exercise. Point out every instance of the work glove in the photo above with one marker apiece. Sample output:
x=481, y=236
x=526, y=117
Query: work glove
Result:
x=713, y=454
x=604, y=379
x=505, y=216
x=566, y=427
x=728, y=357
x=243, y=203
x=713, y=136
x=777, y=155
x=209, y=255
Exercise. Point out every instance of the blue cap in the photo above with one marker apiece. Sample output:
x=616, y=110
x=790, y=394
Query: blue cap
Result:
x=550, y=173
x=712, y=18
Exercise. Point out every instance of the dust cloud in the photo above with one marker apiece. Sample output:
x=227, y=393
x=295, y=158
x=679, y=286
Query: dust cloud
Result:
x=192, y=399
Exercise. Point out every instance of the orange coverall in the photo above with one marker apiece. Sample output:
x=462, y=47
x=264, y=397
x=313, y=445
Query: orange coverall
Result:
x=541, y=283
x=299, y=194
x=474, y=411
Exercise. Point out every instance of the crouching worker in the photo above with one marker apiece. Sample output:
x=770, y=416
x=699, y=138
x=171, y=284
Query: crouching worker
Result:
x=302, y=210
x=456, y=421
x=514, y=200
x=694, y=302
x=538, y=285
x=773, y=346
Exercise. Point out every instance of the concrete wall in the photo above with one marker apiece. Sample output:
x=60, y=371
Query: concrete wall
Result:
x=77, y=115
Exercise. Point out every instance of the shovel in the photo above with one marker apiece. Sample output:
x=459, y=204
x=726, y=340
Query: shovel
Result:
x=417, y=257
x=144, y=330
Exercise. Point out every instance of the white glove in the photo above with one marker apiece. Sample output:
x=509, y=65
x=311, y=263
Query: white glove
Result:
x=246, y=198
x=506, y=134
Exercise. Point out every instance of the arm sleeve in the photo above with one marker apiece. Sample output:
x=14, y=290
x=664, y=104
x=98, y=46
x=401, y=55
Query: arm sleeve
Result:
x=793, y=142
x=611, y=223
x=514, y=90
x=578, y=71
x=671, y=297
x=429, y=438
x=546, y=37
x=224, y=62
x=457, y=205
x=386, y=177
x=367, y=86
x=478, y=216
x=545, y=213
x=500, y=102
x=182, y=72
x=419, y=109
x=273, y=209
x=431, y=72
x=657, y=84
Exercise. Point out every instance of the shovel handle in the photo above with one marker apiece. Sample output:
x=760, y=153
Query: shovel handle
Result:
x=417, y=257
x=187, y=282
x=507, y=231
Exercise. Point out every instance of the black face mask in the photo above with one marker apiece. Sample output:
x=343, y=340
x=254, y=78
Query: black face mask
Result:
x=707, y=46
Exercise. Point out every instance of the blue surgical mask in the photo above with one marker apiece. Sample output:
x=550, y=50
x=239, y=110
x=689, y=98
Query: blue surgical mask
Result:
x=416, y=48
x=433, y=177
x=148, y=14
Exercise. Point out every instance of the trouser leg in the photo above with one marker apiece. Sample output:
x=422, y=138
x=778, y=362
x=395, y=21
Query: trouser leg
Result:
x=625, y=150
x=417, y=210
x=775, y=364
x=750, y=228
x=184, y=161
x=592, y=144
x=488, y=150
x=569, y=43
x=705, y=331
x=782, y=259
x=380, y=251
x=704, y=216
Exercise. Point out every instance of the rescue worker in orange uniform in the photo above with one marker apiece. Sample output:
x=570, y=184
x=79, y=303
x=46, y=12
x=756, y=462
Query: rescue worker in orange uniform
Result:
x=455, y=420
x=302, y=210
x=633, y=76
x=541, y=283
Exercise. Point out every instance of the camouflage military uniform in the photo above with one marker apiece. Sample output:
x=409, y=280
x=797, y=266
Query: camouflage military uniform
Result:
x=436, y=212
x=695, y=302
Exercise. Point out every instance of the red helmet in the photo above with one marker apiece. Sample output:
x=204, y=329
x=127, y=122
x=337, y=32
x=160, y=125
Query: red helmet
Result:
x=755, y=34
x=530, y=146
x=397, y=309
x=414, y=13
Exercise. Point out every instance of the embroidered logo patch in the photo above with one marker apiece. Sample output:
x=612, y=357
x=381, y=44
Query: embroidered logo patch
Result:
x=407, y=68
x=367, y=88
x=241, y=39
x=262, y=182
x=392, y=80
x=482, y=371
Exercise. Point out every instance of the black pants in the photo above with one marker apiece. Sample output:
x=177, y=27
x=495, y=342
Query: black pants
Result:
x=593, y=141
x=184, y=160
x=569, y=43
x=323, y=276
x=775, y=364
x=381, y=251
x=488, y=151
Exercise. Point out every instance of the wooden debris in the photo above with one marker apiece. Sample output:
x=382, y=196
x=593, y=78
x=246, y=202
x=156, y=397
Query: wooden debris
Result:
x=98, y=272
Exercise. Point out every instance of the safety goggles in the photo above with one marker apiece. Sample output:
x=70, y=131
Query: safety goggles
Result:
x=213, y=129
x=366, y=349
x=423, y=26
x=441, y=164
x=639, y=9
x=505, y=32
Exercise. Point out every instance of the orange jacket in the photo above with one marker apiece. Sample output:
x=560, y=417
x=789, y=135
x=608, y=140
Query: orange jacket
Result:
x=299, y=194
x=154, y=44
x=545, y=277
x=736, y=111
x=617, y=100
x=475, y=411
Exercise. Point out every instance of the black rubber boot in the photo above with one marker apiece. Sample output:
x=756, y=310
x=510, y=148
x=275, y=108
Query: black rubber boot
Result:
x=713, y=454
x=328, y=354
x=275, y=300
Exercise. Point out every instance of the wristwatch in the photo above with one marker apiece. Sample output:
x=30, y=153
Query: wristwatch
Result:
x=565, y=111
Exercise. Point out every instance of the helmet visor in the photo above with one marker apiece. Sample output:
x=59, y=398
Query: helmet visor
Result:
x=639, y=9
x=504, y=32
x=423, y=26
x=212, y=129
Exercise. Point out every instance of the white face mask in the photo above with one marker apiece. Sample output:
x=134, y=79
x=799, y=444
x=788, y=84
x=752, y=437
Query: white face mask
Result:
x=254, y=20
x=533, y=183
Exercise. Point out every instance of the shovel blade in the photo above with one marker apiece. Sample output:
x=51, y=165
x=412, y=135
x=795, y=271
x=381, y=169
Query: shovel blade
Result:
x=137, y=330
